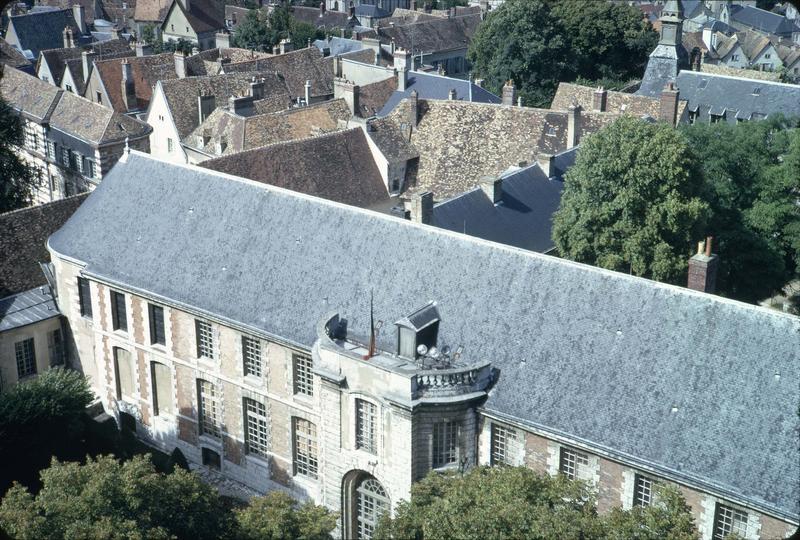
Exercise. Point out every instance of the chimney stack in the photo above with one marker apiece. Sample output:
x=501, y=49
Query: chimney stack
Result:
x=180, y=64
x=115, y=32
x=321, y=9
x=547, y=164
x=451, y=95
x=519, y=101
x=286, y=46
x=402, y=61
x=342, y=88
x=222, y=40
x=308, y=93
x=703, y=268
x=257, y=88
x=337, y=66
x=69, y=38
x=86, y=62
x=422, y=208
x=599, y=99
x=143, y=49
x=80, y=19
x=413, y=109
x=412, y=5
x=668, y=110
x=493, y=187
x=241, y=105
x=509, y=93
x=573, y=125
x=205, y=106
x=128, y=86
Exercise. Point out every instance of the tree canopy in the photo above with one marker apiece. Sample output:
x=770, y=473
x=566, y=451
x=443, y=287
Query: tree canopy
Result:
x=539, y=43
x=17, y=179
x=278, y=516
x=262, y=32
x=516, y=502
x=631, y=202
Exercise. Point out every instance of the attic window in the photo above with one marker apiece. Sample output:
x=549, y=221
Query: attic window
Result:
x=757, y=91
x=551, y=131
x=702, y=84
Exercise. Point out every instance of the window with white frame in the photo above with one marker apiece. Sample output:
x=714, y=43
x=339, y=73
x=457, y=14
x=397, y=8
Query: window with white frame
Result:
x=643, y=491
x=31, y=138
x=208, y=407
x=305, y=448
x=573, y=464
x=445, y=444
x=251, y=353
x=25, y=354
x=256, y=427
x=303, y=376
x=366, y=420
x=206, y=342
x=728, y=520
x=503, y=445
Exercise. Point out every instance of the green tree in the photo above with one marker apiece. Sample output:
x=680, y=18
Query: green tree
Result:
x=108, y=499
x=539, y=43
x=631, y=202
x=278, y=516
x=262, y=32
x=516, y=502
x=17, y=180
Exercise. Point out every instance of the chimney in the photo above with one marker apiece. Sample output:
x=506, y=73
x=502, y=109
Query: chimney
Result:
x=422, y=208
x=707, y=39
x=286, y=46
x=493, y=187
x=241, y=105
x=342, y=88
x=509, y=93
x=413, y=109
x=337, y=66
x=374, y=44
x=402, y=61
x=451, y=95
x=128, y=87
x=573, y=125
x=86, y=62
x=115, y=32
x=519, y=101
x=703, y=268
x=668, y=111
x=69, y=38
x=308, y=93
x=222, y=40
x=321, y=9
x=412, y=5
x=143, y=49
x=547, y=164
x=257, y=88
x=599, y=99
x=205, y=106
x=80, y=18
x=180, y=64
x=479, y=82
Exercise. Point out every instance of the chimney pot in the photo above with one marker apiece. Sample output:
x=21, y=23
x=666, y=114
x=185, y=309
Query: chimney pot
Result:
x=703, y=268
x=422, y=208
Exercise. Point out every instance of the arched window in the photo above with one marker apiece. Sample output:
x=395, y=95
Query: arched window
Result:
x=371, y=503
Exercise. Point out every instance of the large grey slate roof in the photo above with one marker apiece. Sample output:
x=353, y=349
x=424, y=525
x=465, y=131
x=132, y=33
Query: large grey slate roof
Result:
x=763, y=20
x=27, y=308
x=743, y=98
x=662, y=68
x=601, y=356
x=42, y=30
x=433, y=86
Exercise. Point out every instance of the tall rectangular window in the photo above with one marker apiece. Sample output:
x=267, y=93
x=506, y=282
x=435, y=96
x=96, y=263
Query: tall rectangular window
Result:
x=25, y=354
x=251, y=351
x=303, y=377
x=256, y=427
x=119, y=314
x=573, y=464
x=305, y=448
x=366, y=420
x=445, y=444
x=156, y=316
x=56, y=345
x=206, y=344
x=503, y=445
x=642, y=491
x=728, y=520
x=169, y=144
x=85, y=297
x=124, y=369
x=162, y=388
x=208, y=406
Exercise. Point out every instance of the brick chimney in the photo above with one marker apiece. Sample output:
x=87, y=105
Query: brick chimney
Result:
x=422, y=208
x=668, y=110
x=80, y=18
x=205, y=106
x=547, y=164
x=573, y=125
x=69, y=38
x=509, y=93
x=493, y=187
x=128, y=86
x=402, y=63
x=599, y=99
x=703, y=268
x=342, y=88
x=180, y=64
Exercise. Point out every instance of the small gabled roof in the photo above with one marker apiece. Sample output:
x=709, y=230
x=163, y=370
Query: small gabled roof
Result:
x=26, y=308
x=41, y=30
x=57, y=59
x=329, y=19
x=203, y=15
x=146, y=70
x=421, y=318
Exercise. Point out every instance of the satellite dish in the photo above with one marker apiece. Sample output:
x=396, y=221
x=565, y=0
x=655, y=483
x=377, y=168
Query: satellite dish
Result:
x=422, y=350
x=446, y=350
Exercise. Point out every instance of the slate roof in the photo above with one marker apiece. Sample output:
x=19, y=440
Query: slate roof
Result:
x=337, y=166
x=27, y=308
x=11, y=57
x=434, y=35
x=151, y=10
x=524, y=216
x=738, y=95
x=338, y=45
x=764, y=21
x=42, y=30
x=147, y=70
x=244, y=133
x=181, y=94
x=459, y=142
x=23, y=235
x=662, y=68
x=434, y=86
x=88, y=6
x=616, y=102
x=692, y=386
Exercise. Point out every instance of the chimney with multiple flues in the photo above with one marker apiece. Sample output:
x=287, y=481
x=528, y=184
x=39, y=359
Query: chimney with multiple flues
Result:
x=703, y=268
x=342, y=88
x=509, y=93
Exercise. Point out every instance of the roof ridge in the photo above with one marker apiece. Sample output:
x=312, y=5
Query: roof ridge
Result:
x=760, y=81
x=547, y=259
x=43, y=205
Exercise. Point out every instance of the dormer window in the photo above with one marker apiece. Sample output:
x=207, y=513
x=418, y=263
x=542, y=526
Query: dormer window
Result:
x=417, y=333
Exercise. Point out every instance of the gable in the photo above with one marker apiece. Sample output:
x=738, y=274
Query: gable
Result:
x=177, y=23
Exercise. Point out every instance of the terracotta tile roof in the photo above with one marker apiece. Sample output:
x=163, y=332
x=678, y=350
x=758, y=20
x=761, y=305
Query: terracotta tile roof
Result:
x=245, y=133
x=338, y=166
x=373, y=97
x=147, y=70
x=23, y=239
x=151, y=10
x=296, y=68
